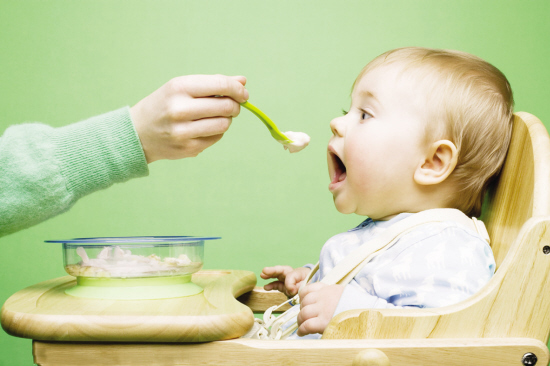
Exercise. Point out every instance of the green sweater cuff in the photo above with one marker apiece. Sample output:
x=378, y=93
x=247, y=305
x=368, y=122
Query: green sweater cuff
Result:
x=99, y=152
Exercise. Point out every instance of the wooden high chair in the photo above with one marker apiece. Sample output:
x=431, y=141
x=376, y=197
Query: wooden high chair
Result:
x=506, y=323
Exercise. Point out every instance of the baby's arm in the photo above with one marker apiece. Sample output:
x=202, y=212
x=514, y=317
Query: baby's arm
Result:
x=319, y=303
x=288, y=281
x=436, y=270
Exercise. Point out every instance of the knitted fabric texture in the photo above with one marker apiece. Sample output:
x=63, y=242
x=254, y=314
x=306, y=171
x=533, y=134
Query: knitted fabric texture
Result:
x=45, y=170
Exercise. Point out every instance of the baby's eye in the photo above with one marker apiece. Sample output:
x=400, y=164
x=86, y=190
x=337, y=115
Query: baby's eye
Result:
x=366, y=115
x=344, y=112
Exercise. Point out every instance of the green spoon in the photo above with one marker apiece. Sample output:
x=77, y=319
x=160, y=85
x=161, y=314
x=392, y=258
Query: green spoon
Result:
x=272, y=127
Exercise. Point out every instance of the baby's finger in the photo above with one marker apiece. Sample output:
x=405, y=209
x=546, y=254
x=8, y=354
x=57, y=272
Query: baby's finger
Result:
x=268, y=272
x=307, y=312
x=276, y=285
x=209, y=85
x=313, y=287
x=309, y=299
x=310, y=326
x=291, y=290
x=296, y=287
x=275, y=272
x=291, y=282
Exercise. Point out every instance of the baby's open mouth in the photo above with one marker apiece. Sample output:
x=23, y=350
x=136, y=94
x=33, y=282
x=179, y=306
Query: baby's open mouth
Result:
x=339, y=169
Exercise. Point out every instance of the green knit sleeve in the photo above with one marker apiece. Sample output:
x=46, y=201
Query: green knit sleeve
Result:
x=45, y=170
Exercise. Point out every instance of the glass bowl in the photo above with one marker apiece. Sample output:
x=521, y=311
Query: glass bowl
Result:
x=144, y=267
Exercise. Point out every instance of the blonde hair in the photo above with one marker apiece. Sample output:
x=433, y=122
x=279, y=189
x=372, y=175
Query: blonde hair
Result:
x=470, y=103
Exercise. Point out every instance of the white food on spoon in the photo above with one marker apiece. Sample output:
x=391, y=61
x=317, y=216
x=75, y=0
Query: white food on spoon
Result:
x=299, y=141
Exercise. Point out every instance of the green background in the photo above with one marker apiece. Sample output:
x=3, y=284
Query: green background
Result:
x=63, y=61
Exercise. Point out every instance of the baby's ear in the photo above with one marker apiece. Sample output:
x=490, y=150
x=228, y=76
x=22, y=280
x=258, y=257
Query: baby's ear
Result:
x=439, y=163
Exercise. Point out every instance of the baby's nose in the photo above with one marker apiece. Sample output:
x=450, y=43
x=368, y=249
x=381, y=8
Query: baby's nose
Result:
x=337, y=126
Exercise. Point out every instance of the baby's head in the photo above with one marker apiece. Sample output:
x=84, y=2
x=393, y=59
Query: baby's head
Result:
x=426, y=129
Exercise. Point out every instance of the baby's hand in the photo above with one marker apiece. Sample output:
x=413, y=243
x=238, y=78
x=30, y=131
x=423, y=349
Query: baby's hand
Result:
x=187, y=114
x=318, y=301
x=289, y=279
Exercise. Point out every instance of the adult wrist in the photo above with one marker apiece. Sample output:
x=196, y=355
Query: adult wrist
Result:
x=98, y=152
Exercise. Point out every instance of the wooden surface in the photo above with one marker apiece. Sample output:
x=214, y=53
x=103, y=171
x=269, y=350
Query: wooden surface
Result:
x=259, y=300
x=371, y=357
x=411, y=352
x=45, y=312
x=516, y=301
x=526, y=175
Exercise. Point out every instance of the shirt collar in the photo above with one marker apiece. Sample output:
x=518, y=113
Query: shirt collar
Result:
x=382, y=223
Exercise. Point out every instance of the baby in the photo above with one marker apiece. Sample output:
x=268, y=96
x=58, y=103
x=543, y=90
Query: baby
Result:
x=426, y=129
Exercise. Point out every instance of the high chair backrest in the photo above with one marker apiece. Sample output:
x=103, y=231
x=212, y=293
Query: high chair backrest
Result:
x=523, y=187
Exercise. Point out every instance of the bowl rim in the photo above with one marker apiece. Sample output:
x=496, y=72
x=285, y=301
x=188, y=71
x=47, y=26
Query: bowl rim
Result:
x=133, y=239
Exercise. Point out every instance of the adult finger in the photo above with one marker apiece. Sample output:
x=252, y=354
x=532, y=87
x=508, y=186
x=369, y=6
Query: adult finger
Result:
x=200, y=108
x=201, y=128
x=241, y=79
x=199, y=86
x=193, y=147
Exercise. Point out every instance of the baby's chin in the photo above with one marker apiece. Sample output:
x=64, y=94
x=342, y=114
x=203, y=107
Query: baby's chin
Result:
x=350, y=208
x=344, y=207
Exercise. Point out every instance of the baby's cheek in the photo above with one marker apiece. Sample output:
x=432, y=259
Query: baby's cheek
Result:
x=362, y=176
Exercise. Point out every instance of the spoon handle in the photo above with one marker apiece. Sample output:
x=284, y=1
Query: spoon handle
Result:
x=271, y=126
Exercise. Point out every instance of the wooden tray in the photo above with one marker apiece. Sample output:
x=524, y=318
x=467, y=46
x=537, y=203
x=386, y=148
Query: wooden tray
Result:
x=45, y=312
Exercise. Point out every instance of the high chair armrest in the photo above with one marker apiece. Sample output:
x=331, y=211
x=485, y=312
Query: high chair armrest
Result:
x=371, y=324
x=259, y=300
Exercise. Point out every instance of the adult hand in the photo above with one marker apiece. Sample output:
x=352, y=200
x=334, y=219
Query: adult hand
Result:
x=318, y=301
x=289, y=279
x=187, y=114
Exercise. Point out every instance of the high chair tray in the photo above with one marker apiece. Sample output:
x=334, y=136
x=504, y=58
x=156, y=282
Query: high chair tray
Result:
x=44, y=312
